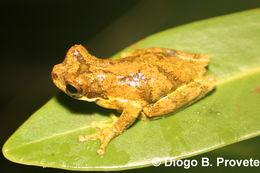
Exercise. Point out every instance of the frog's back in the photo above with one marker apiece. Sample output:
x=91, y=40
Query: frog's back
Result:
x=154, y=55
x=163, y=63
x=154, y=72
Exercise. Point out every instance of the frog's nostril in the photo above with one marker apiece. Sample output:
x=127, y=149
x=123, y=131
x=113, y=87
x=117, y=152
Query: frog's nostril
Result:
x=54, y=76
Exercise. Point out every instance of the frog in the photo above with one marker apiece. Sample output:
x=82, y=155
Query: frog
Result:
x=144, y=84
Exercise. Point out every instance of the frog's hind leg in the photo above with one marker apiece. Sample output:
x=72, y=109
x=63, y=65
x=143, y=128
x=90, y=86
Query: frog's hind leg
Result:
x=182, y=96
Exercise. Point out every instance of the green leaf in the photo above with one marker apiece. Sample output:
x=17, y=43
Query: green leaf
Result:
x=227, y=115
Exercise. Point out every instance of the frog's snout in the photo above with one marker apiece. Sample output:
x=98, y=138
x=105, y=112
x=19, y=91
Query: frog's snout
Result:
x=54, y=73
x=54, y=76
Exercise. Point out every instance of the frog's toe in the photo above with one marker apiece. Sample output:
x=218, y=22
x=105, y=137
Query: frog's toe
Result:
x=81, y=138
x=89, y=137
x=85, y=138
x=101, y=151
x=105, y=135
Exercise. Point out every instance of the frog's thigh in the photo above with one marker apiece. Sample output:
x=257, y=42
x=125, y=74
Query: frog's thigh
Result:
x=180, y=97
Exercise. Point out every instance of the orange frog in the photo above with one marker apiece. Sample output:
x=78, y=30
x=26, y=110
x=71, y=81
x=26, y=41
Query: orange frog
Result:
x=145, y=83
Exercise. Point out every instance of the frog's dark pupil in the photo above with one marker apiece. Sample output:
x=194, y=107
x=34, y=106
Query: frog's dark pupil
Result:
x=71, y=89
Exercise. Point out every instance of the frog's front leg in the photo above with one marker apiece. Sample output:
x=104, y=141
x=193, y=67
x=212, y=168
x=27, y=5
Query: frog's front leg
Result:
x=184, y=95
x=106, y=134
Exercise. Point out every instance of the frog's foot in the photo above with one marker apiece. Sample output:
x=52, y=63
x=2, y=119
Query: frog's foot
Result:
x=105, y=135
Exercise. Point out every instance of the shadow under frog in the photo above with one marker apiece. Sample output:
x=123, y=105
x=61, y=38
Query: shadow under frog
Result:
x=81, y=107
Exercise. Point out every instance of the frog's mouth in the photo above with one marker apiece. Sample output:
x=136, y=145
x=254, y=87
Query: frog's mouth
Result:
x=87, y=99
x=91, y=96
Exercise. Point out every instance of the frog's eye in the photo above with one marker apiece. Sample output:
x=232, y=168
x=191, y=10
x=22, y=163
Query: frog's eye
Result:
x=71, y=89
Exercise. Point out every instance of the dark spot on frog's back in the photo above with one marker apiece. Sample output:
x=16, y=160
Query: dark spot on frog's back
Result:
x=91, y=95
x=79, y=56
x=161, y=55
x=81, y=59
x=170, y=76
x=146, y=93
x=84, y=68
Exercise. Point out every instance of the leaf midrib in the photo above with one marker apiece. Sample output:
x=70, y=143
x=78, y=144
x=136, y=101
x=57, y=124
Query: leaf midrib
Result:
x=221, y=82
